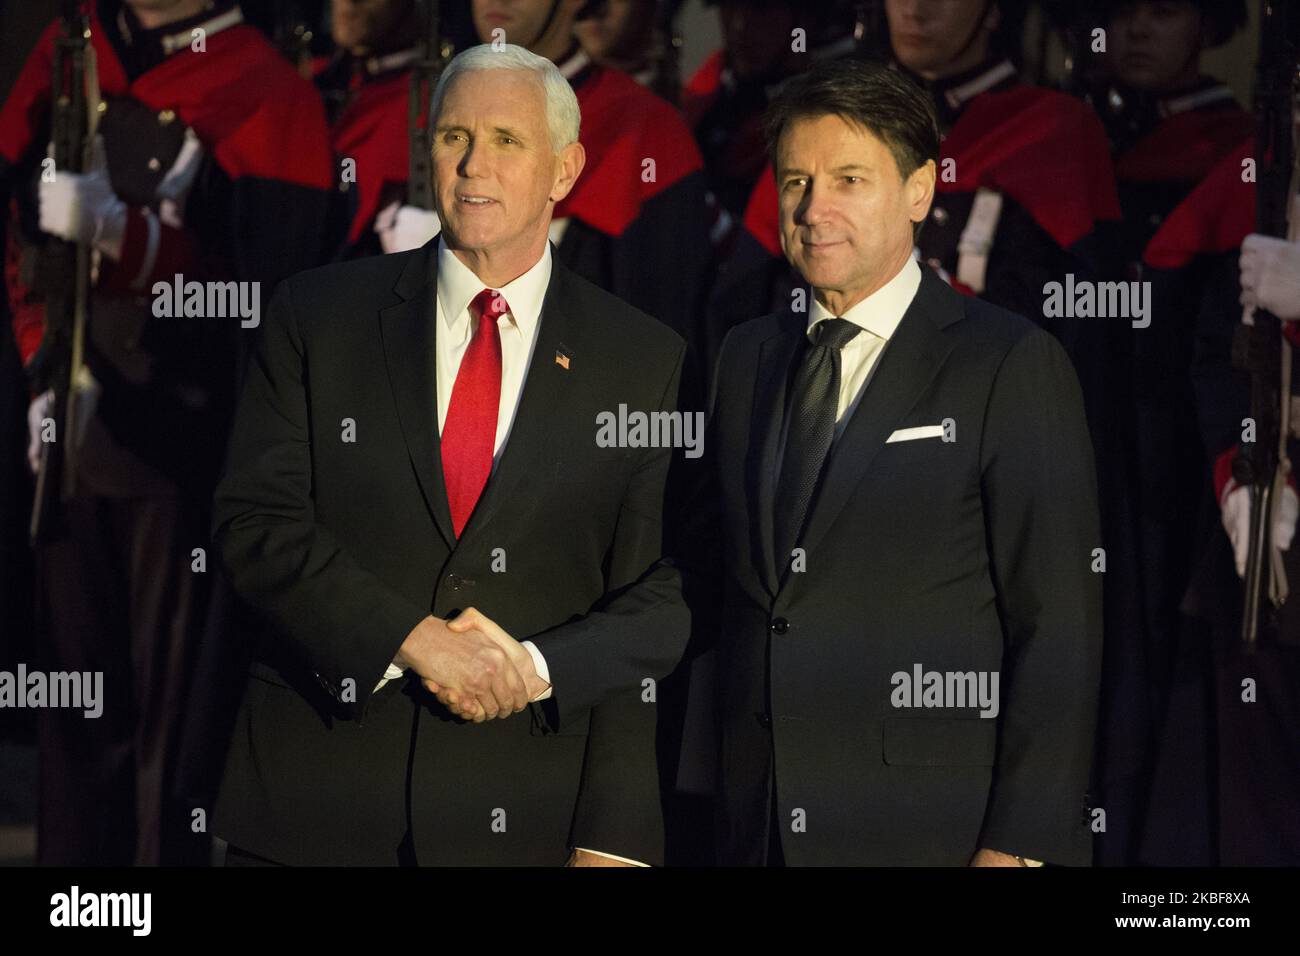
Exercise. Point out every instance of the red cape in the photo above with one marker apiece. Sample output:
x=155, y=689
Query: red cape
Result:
x=762, y=217
x=372, y=131
x=252, y=111
x=1043, y=149
x=1185, y=146
x=624, y=124
x=702, y=87
x=1214, y=218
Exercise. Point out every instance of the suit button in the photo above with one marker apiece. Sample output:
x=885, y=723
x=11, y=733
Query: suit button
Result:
x=764, y=720
x=780, y=626
x=454, y=581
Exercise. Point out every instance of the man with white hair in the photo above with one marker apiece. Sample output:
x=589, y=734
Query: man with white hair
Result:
x=418, y=439
x=636, y=224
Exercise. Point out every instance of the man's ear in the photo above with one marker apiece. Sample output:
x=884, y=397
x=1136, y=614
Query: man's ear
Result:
x=569, y=167
x=920, y=191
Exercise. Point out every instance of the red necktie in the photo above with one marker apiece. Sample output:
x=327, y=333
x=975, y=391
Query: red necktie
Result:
x=470, y=430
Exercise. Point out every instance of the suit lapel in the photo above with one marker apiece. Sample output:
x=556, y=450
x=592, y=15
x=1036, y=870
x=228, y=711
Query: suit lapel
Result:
x=408, y=329
x=775, y=356
x=910, y=361
x=541, y=406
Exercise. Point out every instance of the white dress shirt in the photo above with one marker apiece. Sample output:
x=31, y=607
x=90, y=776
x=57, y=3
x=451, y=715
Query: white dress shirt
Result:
x=878, y=316
x=457, y=287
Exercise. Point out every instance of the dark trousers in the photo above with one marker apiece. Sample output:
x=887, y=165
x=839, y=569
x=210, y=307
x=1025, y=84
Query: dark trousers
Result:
x=120, y=597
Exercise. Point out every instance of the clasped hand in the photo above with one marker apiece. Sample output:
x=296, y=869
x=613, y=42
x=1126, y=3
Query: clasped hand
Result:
x=477, y=670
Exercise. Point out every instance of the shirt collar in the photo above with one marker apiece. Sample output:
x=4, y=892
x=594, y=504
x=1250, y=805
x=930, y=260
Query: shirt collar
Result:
x=378, y=65
x=140, y=50
x=457, y=286
x=574, y=63
x=1208, y=93
x=880, y=312
x=180, y=33
x=961, y=89
x=952, y=94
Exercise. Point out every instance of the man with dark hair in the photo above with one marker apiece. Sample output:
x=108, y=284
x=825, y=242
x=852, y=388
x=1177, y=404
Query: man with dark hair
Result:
x=1024, y=183
x=911, y=136
x=908, y=520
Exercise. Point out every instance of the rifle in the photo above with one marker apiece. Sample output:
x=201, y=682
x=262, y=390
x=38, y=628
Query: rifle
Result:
x=292, y=35
x=666, y=52
x=59, y=362
x=869, y=31
x=434, y=55
x=1259, y=347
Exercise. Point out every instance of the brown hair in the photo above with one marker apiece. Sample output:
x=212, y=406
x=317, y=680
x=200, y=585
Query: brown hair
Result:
x=876, y=98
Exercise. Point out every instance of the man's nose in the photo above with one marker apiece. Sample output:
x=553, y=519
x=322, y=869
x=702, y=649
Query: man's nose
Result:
x=474, y=163
x=814, y=207
x=916, y=13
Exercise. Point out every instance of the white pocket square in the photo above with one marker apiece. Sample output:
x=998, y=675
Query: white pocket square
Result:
x=920, y=431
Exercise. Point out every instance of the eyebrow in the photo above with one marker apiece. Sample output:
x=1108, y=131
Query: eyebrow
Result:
x=505, y=130
x=847, y=167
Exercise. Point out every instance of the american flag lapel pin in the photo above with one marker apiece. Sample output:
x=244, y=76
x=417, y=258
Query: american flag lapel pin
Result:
x=562, y=357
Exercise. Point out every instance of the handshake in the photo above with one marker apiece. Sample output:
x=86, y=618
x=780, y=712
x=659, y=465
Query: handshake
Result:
x=475, y=669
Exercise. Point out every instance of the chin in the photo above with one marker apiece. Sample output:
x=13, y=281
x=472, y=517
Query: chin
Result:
x=478, y=234
x=822, y=277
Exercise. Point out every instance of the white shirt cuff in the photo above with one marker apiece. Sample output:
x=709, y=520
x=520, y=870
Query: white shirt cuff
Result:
x=392, y=673
x=539, y=665
x=611, y=856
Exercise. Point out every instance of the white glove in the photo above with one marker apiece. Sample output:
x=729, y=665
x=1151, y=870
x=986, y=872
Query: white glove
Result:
x=82, y=207
x=402, y=228
x=42, y=407
x=1270, y=275
x=1236, y=520
x=37, y=411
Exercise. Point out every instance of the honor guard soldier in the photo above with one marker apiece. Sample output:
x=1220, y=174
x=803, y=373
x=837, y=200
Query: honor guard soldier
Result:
x=208, y=184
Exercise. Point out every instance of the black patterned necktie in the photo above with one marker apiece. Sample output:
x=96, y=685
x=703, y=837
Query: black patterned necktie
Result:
x=814, y=399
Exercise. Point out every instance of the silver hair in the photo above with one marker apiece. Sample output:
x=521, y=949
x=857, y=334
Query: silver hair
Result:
x=562, y=114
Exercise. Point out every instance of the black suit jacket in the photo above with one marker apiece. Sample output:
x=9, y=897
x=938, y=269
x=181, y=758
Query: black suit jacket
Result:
x=344, y=546
x=966, y=556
